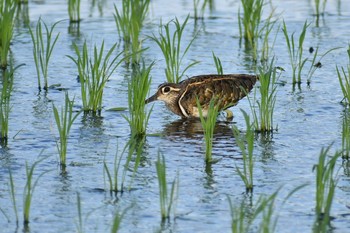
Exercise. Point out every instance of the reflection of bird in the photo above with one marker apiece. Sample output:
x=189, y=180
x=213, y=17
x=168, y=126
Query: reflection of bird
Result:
x=226, y=90
x=191, y=128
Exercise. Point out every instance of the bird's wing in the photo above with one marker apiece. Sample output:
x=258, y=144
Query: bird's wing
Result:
x=227, y=90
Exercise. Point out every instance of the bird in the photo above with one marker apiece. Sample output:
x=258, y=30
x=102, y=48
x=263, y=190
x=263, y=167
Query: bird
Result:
x=226, y=90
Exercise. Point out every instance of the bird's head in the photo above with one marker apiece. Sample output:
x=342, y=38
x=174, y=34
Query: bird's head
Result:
x=167, y=92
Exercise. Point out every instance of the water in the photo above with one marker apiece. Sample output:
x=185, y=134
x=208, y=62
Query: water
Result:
x=307, y=119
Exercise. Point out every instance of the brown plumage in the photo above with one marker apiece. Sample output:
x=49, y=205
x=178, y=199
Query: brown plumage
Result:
x=226, y=90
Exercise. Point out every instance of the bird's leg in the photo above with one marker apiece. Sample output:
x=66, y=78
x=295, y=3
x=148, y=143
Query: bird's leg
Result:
x=229, y=115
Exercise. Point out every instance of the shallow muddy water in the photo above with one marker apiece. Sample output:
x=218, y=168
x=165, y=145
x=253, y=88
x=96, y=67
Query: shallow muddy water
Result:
x=308, y=119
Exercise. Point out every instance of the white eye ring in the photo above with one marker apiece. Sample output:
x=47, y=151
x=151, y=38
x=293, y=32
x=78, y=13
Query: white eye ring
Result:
x=166, y=90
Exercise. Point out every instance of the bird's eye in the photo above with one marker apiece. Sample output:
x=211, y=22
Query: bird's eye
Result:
x=166, y=90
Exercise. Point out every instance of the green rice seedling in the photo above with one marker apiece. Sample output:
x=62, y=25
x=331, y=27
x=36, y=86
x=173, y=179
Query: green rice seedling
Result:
x=254, y=30
x=263, y=115
x=199, y=8
x=344, y=80
x=130, y=19
x=80, y=224
x=218, y=64
x=265, y=32
x=13, y=196
x=243, y=218
x=167, y=203
x=170, y=44
x=43, y=45
x=64, y=121
x=326, y=183
x=238, y=222
x=22, y=14
x=134, y=154
x=138, y=89
x=246, y=144
x=295, y=51
x=129, y=22
x=5, y=99
x=315, y=64
x=242, y=222
x=135, y=148
x=251, y=19
x=346, y=136
x=266, y=105
x=267, y=206
x=94, y=72
x=117, y=219
x=29, y=189
x=5, y=106
x=208, y=124
x=113, y=179
x=74, y=11
x=7, y=16
x=318, y=10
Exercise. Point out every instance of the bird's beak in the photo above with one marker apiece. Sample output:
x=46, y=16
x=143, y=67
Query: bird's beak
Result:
x=151, y=99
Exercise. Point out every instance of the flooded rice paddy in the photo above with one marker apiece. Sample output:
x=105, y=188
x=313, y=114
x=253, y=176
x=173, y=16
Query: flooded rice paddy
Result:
x=307, y=118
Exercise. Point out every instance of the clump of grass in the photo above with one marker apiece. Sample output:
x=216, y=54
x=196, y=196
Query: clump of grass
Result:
x=22, y=14
x=325, y=188
x=318, y=10
x=315, y=65
x=138, y=89
x=345, y=84
x=263, y=116
x=264, y=208
x=113, y=179
x=5, y=103
x=7, y=16
x=117, y=219
x=64, y=121
x=241, y=222
x=208, y=124
x=74, y=11
x=167, y=203
x=80, y=224
x=94, y=72
x=346, y=136
x=218, y=64
x=252, y=28
x=5, y=107
x=170, y=44
x=13, y=196
x=130, y=19
x=134, y=154
x=43, y=45
x=129, y=22
x=265, y=34
x=246, y=144
x=27, y=193
x=135, y=148
x=199, y=8
x=29, y=189
x=295, y=51
x=251, y=19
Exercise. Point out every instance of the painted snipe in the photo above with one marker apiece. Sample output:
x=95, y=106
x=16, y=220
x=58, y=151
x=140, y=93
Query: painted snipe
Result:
x=226, y=90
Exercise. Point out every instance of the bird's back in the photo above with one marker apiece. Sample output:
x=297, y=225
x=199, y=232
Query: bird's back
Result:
x=227, y=90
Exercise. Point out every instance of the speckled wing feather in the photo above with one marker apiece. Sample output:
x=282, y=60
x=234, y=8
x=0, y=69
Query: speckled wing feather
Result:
x=226, y=89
